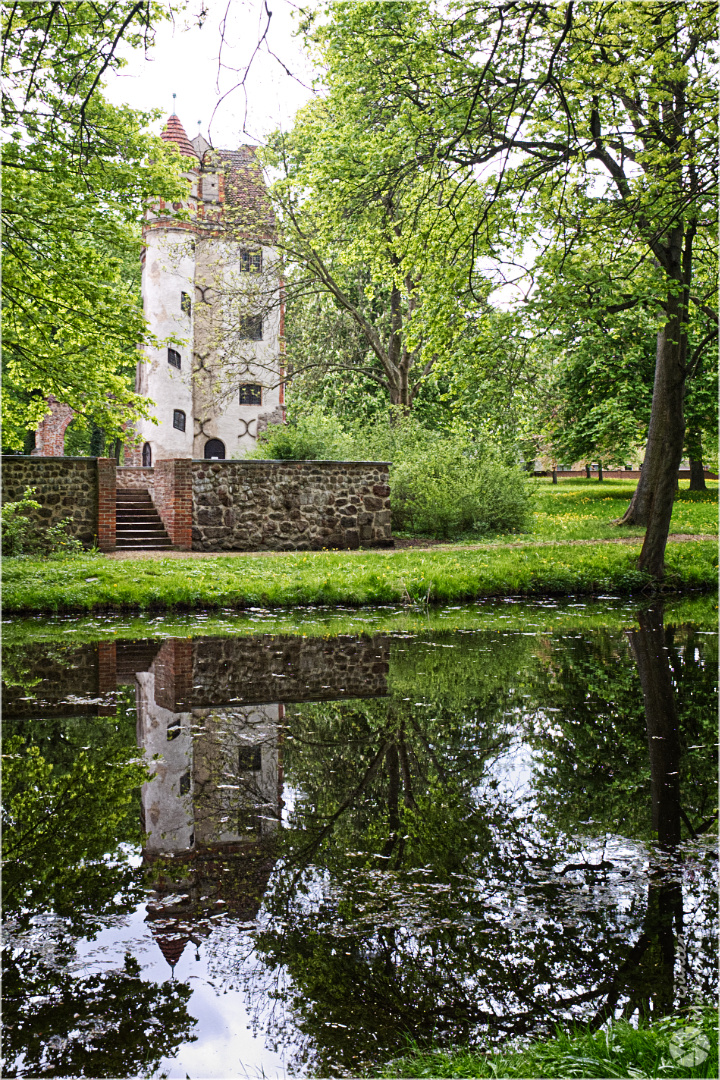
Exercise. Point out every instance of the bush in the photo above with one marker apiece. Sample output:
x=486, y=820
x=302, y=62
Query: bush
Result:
x=447, y=491
x=444, y=484
x=23, y=536
x=441, y=484
x=313, y=436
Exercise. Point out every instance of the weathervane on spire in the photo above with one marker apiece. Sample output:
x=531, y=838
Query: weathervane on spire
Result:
x=174, y=112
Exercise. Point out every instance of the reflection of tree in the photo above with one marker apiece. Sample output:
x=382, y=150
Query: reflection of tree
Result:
x=411, y=898
x=590, y=731
x=109, y=1024
x=69, y=802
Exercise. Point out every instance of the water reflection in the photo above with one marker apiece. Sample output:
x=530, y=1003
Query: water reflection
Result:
x=449, y=835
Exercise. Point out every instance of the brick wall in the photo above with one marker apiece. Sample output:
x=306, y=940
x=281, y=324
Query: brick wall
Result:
x=64, y=487
x=290, y=505
x=172, y=495
x=106, y=481
x=50, y=435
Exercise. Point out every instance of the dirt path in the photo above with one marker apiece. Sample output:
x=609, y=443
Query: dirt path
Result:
x=400, y=545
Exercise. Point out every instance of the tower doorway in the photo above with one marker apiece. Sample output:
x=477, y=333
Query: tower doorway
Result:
x=215, y=450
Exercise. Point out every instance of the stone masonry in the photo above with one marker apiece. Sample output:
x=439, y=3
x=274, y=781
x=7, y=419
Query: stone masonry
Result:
x=65, y=488
x=290, y=505
x=215, y=505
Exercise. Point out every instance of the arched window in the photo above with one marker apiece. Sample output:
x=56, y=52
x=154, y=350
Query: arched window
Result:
x=250, y=394
x=215, y=449
x=147, y=454
x=178, y=419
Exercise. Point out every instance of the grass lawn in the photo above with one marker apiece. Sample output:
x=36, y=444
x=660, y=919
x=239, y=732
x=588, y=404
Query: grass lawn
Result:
x=93, y=583
x=571, y=510
x=581, y=509
x=666, y=1048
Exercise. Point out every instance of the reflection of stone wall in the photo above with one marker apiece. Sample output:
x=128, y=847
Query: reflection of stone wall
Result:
x=204, y=673
x=63, y=674
x=65, y=488
x=290, y=505
x=288, y=669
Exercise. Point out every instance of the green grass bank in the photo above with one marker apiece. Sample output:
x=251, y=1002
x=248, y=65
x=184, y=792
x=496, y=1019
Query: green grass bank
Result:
x=675, y=1046
x=93, y=583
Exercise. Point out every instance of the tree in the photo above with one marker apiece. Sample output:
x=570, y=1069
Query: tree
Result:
x=77, y=174
x=608, y=108
x=350, y=237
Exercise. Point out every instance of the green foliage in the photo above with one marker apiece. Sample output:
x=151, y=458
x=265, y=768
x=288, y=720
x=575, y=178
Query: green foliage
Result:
x=317, y=435
x=446, y=491
x=442, y=484
x=77, y=174
x=50, y=856
x=21, y=535
x=649, y=1050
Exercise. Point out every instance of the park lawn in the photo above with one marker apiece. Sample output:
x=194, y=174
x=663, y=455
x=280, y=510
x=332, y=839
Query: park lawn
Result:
x=581, y=509
x=664, y=1048
x=93, y=583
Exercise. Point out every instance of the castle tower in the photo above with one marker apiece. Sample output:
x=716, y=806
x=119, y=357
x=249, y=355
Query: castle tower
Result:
x=212, y=299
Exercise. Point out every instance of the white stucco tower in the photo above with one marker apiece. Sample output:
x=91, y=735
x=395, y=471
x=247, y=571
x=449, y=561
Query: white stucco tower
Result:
x=212, y=298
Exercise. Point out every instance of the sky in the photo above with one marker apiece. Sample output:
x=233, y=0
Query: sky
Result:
x=188, y=60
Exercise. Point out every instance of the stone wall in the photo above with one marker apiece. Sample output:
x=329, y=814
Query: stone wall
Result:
x=290, y=505
x=136, y=476
x=65, y=488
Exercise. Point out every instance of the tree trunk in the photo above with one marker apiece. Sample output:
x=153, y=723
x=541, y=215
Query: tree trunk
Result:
x=554, y=476
x=587, y=470
x=600, y=472
x=693, y=443
x=651, y=657
x=652, y=503
x=697, y=475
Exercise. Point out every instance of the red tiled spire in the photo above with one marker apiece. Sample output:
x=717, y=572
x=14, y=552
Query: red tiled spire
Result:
x=175, y=132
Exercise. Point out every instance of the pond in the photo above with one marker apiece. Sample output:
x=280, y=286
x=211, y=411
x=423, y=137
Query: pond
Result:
x=357, y=828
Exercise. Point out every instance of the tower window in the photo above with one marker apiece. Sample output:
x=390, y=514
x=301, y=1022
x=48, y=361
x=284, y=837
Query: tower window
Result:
x=251, y=327
x=174, y=358
x=179, y=419
x=251, y=262
x=147, y=455
x=185, y=304
x=249, y=759
x=250, y=394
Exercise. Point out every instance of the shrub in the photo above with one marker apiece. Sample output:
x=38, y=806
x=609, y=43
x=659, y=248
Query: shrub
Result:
x=447, y=491
x=442, y=483
x=315, y=435
x=23, y=536
x=18, y=531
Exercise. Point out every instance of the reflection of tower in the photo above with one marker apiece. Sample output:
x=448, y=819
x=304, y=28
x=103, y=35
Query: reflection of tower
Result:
x=213, y=805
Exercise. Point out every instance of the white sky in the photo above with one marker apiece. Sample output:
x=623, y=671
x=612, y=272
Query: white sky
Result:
x=184, y=61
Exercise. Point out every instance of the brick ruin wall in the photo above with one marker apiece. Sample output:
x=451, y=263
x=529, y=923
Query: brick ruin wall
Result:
x=290, y=505
x=65, y=488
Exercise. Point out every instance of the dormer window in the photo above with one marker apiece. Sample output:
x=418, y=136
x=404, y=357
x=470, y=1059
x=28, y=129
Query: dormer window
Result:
x=185, y=304
x=250, y=394
x=251, y=328
x=178, y=419
x=174, y=358
x=251, y=261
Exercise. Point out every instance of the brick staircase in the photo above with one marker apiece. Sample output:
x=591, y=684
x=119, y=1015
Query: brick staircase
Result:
x=137, y=522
